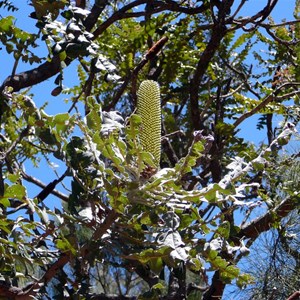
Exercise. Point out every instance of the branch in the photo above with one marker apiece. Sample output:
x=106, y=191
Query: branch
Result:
x=44, y=186
x=14, y=144
x=58, y=265
x=294, y=296
x=32, y=289
x=29, y=291
x=118, y=15
x=261, y=224
x=49, y=68
x=96, y=10
x=256, y=19
x=34, y=76
x=287, y=23
x=251, y=231
x=219, y=30
x=217, y=288
x=159, y=7
x=157, y=47
x=110, y=218
x=254, y=228
x=267, y=100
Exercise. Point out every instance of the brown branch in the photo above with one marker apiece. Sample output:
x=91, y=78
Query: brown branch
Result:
x=176, y=7
x=34, y=76
x=49, y=68
x=159, y=7
x=110, y=218
x=294, y=296
x=118, y=15
x=286, y=43
x=256, y=19
x=58, y=265
x=26, y=293
x=16, y=293
x=43, y=186
x=80, y=3
x=217, y=288
x=251, y=231
x=261, y=224
x=150, y=54
x=96, y=10
x=287, y=23
x=219, y=30
x=267, y=100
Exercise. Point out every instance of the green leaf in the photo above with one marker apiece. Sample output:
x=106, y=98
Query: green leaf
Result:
x=93, y=118
x=158, y=286
x=194, y=264
x=13, y=177
x=243, y=280
x=62, y=55
x=156, y=265
x=5, y=201
x=186, y=164
x=6, y=24
x=224, y=229
x=61, y=122
x=16, y=191
x=229, y=273
x=65, y=246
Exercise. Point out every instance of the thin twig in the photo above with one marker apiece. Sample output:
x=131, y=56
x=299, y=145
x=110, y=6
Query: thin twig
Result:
x=150, y=54
x=267, y=100
x=43, y=186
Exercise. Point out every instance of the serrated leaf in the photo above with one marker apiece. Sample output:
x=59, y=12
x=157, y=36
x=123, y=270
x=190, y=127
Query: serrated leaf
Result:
x=101, y=63
x=215, y=244
x=86, y=214
x=194, y=264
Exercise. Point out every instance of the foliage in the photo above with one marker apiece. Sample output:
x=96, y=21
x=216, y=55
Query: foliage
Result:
x=168, y=229
x=276, y=272
x=8, y=5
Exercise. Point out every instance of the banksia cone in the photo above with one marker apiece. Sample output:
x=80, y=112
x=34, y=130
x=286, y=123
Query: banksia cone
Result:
x=148, y=107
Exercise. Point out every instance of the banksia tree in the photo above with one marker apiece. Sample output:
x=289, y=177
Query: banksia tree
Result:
x=149, y=109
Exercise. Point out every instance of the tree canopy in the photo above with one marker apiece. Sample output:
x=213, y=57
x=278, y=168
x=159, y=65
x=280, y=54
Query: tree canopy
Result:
x=149, y=201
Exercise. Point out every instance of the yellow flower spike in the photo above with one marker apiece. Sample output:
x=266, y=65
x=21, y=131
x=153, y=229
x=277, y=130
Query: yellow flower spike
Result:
x=149, y=109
